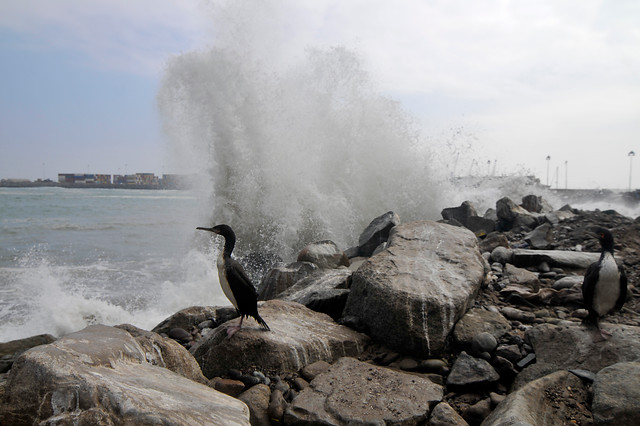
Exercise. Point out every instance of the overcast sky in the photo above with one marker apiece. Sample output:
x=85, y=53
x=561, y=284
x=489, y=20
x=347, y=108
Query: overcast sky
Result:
x=509, y=82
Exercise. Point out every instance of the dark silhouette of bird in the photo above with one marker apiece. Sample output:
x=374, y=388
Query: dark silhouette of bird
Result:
x=234, y=281
x=604, y=289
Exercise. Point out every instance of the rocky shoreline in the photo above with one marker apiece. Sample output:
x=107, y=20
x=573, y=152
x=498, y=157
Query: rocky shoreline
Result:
x=467, y=321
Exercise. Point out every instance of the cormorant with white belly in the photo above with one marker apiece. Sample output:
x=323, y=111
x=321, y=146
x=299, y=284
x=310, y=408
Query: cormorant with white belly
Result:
x=235, y=283
x=604, y=289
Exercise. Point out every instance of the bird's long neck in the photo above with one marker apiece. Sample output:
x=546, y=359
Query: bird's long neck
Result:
x=606, y=248
x=229, y=244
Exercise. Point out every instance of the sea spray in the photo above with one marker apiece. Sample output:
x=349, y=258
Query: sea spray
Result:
x=293, y=155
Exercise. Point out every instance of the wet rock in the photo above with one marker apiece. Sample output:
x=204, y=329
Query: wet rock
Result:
x=477, y=412
x=376, y=233
x=493, y=240
x=11, y=350
x=179, y=334
x=189, y=318
x=470, y=372
x=411, y=295
x=616, y=394
x=517, y=314
x=324, y=254
x=165, y=353
x=511, y=215
x=444, y=415
x=432, y=366
x=483, y=342
x=100, y=375
x=572, y=346
x=567, y=282
x=562, y=258
x=257, y=399
x=310, y=371
x=279, y=279
x=540, y=238
x=535, y=204
x=521, y=276
x=354, y=392
x=298, y=337
x=229, y=387
x=324, y=291
x=502, y=255
x=277, y=406
x=466, y=216
x=477, y=321
x=532, y=404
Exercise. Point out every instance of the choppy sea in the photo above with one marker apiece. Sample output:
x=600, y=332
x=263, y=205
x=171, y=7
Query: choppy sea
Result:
x=73, y=257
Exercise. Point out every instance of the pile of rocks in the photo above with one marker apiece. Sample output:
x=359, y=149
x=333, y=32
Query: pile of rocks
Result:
x=473, y=320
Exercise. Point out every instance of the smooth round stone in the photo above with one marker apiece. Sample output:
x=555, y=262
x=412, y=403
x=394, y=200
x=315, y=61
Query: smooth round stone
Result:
x=483, y=342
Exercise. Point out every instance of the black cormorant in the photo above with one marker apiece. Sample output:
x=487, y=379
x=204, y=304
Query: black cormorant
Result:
x=235, y=283
x=604, y=289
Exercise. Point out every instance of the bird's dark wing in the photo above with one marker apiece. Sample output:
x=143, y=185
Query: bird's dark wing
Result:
x=589, y=285
x=623, y=289
x=243, y=290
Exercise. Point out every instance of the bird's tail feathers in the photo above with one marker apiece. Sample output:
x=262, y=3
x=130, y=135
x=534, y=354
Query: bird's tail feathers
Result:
x=262, y=323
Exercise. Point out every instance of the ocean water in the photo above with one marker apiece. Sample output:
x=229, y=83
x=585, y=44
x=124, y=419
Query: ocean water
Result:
x=73, y=257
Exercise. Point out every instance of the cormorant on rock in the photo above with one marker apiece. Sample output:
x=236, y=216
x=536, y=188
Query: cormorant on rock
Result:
x=604, y=289
x=235, y=283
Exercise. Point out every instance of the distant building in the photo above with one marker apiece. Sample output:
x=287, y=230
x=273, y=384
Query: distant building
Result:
x=103, y=179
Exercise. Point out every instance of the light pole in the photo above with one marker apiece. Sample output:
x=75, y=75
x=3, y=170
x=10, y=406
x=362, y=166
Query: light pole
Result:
x=566, y=174
x=631, y=155
x=548, y=159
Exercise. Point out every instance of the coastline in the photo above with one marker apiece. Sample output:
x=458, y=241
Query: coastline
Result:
x=37, y=184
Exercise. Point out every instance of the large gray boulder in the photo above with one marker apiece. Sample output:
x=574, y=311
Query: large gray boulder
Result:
x=325, y=291
x=325, y=254
x=376, y=233
x=298, y=337
x=573, y=347
x=9, y=351
x=279, y=279
x=467, y=216
x=354, y=392
x=101, y=375
x=410, y=295
x=532, y=405
x=616, y=394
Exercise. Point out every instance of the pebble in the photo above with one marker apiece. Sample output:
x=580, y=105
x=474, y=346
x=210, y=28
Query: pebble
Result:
x=524, y=362
x=408, y=364
x=432, y=365
x=206, y=324
x=310, y=371
x=509, y=352
x=389, y=358
x=496, y=398
x=250, y=381
x=234, y=374
x=179, y=334
x=483, y=342
x=277, y=405
x=580, y=313
x=228, y=386
x=281, y=385
x=299, y=383
x=263, y=379
x=517, y=314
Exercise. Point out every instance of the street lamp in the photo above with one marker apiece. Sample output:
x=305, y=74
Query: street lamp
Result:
x=631, y=155
x=548, y=159
x=566, y=174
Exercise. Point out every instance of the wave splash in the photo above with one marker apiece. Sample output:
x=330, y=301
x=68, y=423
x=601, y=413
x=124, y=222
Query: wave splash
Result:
x=297, y=153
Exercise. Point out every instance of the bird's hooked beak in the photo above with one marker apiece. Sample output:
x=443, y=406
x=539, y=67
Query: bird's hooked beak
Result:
x=214, y=230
